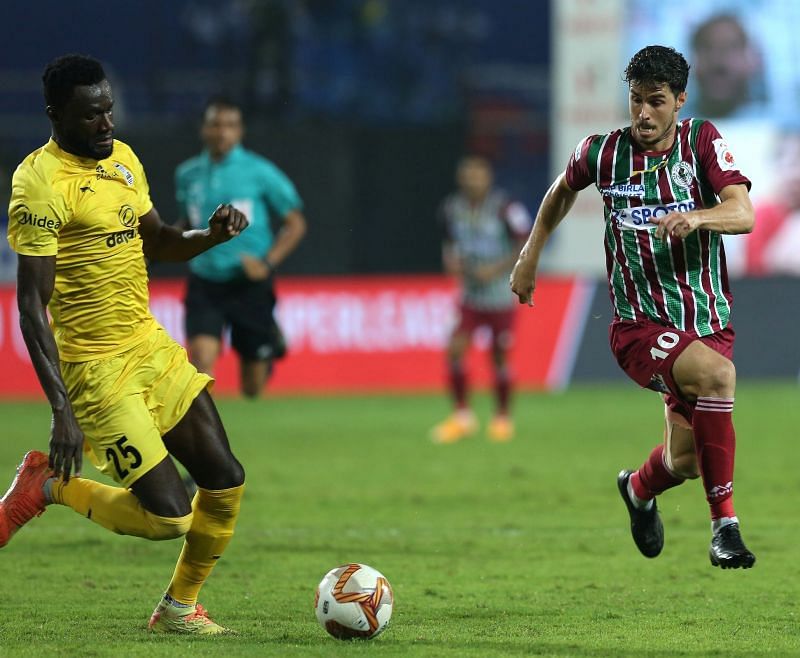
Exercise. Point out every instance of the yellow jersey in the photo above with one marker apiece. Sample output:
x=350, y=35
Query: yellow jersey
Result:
x=86, y=213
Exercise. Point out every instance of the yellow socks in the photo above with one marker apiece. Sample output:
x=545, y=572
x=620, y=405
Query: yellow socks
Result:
x=208, y=529
x=116, y=509
x=213, y=520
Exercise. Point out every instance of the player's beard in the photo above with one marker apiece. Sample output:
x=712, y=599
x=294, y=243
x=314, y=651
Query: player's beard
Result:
x=99, y=153
x=658, y=138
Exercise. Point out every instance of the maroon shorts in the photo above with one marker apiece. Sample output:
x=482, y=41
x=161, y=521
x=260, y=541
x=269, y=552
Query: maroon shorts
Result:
x=500, y=323
x=646, y=352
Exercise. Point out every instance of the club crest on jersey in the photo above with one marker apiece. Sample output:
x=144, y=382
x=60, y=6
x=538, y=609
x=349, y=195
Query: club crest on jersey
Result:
x=127, y=216
x=682, y=174
x=725, y=158
x=125, y=172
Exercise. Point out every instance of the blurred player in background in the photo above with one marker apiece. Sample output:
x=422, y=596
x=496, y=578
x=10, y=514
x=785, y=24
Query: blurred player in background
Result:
x=233, y=286
x=484, y=231
x=121, y=389
x=671, y=189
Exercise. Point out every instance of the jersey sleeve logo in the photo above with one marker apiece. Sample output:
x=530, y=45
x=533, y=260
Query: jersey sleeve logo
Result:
x=27, y=217
x=725, y=158
x=129, y=179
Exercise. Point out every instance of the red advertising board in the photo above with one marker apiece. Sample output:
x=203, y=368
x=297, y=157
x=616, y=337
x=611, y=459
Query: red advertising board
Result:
x=362, y=334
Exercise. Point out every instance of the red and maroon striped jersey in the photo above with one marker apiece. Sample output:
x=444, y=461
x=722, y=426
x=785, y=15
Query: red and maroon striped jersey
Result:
x=677, y=283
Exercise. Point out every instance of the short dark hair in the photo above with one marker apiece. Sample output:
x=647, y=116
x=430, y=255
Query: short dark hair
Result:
x=65, y=73
x=658, y=64
x=221, y=101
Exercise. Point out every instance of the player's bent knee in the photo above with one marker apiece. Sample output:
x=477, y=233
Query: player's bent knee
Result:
x=719, y=379
x=236, y=475
x=225, y=477
x=167, y=527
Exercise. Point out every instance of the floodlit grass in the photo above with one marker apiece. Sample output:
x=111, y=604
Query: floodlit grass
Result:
x=492, y=550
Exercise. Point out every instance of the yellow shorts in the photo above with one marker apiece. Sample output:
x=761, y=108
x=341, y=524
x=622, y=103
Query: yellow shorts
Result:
x=125, y=403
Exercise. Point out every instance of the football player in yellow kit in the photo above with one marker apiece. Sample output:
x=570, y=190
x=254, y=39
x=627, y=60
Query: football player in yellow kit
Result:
x=120, y=388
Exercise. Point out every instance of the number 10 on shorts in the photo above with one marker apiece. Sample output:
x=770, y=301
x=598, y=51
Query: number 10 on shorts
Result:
x=667, y=341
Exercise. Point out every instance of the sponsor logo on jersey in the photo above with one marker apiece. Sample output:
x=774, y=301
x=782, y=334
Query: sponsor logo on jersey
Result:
x=102, y=173
x=682, y=174
x=28, y=218
x=623, y=190
x=725, y=158
x=120, y=237
x=639, y=218
x=127, y=216
x=125, y=172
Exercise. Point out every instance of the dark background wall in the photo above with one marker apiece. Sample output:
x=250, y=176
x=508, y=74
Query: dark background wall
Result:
x=763, y=348
x=370, y=193
x=366, y=104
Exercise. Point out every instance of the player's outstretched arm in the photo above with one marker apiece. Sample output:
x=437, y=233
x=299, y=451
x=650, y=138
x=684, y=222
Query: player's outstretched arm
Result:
x=169, y=243
x=35, y=282
x=554, y=207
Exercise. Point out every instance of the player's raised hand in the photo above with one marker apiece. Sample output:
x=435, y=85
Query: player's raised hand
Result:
x=226, y=223
x=523, y=282
x=66, y=444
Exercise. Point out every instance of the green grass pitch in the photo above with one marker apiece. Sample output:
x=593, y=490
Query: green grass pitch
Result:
x=492, y=550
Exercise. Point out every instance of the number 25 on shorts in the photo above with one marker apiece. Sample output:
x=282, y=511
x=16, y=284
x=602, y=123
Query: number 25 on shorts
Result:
x=667, y=341
x=124, y=455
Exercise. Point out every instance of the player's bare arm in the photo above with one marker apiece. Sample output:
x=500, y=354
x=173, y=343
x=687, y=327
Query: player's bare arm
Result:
x=291, y=233
x=35, y=282
x=170, y=243
x=732, y=216
x=556, y=204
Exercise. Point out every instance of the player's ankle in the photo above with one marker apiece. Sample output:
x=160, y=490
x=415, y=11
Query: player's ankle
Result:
x=175, y=603
x=720, y=523
x=638, y=503
x=47, y=490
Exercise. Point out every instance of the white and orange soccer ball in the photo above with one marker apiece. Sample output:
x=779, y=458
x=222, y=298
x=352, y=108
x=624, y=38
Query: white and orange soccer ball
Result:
x=354, y=601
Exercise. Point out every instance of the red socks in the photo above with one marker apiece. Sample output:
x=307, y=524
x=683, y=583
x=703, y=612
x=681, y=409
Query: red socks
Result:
x=502, y=390
x=715, y=444
x=458, y=384
x=653, y=477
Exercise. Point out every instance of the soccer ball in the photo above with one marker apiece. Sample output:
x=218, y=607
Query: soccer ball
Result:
x=354, y=601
